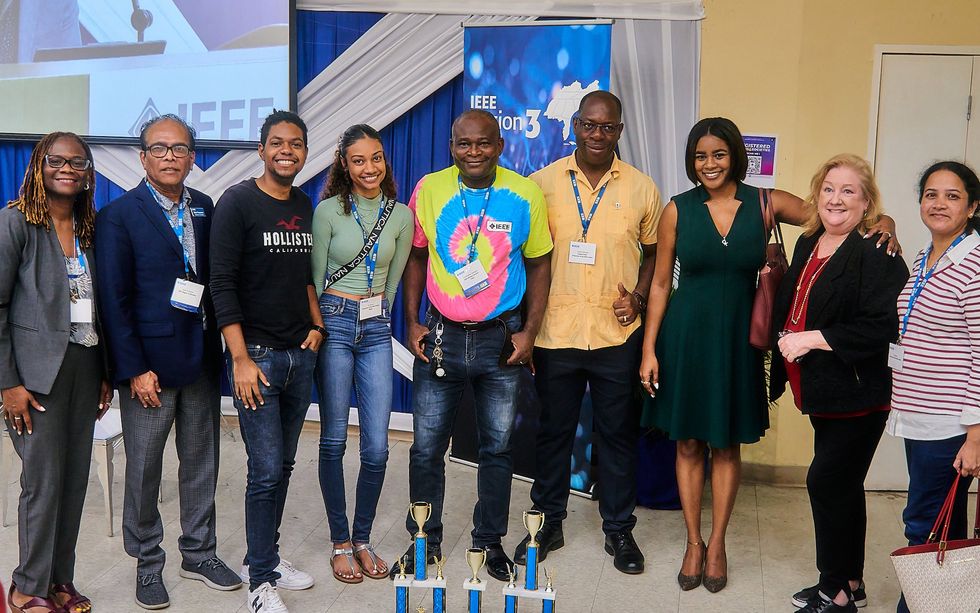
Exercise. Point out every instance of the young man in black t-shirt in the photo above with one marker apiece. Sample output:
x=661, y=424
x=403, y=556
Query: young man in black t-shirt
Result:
x=266, y=307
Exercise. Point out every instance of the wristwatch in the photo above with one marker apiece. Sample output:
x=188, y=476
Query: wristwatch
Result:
x=640, y=300
x=320, y=329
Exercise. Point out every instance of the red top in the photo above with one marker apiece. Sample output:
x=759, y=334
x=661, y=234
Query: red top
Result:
x=797, y=312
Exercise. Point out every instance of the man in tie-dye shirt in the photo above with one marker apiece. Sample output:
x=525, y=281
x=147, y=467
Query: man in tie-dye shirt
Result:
x=482, y=250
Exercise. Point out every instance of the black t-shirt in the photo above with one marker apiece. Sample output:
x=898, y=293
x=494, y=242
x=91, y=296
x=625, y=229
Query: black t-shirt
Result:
x=260, y=264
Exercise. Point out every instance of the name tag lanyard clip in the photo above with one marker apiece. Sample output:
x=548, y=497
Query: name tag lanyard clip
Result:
x=586, y=221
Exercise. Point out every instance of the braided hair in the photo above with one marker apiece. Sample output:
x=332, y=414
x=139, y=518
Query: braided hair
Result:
x=339, y=182
x=33, y=197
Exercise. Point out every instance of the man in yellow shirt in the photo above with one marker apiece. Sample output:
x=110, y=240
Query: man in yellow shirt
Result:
x=603, y=216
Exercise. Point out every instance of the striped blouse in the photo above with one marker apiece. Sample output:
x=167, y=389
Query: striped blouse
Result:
x=937, y=392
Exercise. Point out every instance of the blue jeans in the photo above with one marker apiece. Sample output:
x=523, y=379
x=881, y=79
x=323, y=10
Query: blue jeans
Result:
x=931, y=476
x=359, y=353
x=469, y=357
x=271, y=433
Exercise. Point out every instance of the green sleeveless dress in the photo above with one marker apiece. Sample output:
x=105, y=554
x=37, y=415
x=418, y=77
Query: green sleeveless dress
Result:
x=712, y=382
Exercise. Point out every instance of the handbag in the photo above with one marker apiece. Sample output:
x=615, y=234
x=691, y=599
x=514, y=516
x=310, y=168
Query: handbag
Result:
x=941, y=576
x=771, y=273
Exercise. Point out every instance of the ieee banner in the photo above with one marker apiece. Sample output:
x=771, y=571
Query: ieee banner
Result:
x=531, y=78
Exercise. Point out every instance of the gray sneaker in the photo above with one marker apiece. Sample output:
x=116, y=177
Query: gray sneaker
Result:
x=151, y=593
x=213, y=572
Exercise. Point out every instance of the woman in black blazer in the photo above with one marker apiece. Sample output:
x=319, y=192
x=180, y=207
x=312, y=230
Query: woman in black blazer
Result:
x=833, y=317
x=52, y=371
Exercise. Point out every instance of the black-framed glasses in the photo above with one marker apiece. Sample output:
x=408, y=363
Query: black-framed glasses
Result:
x=160, y=151
x=57, y=161
x=607, y=128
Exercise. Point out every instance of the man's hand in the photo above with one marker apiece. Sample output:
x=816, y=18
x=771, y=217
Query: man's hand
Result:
x=17, y=403
x=884, y=232
x=313, y=341
x=105, y=398
x=145, y=387
x=247, y=376
x=416, y=334
x=626, y=307
x=523, y=342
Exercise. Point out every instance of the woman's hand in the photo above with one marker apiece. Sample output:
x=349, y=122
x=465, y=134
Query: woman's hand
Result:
x=650, y=372
x=884, y=231
x=17, y=403
x=967, y=461
x=105, y=398
x=795, y=345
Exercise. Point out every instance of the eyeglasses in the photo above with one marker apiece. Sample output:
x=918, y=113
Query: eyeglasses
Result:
x=56, y=161
x=160, y=151
x=607, y=128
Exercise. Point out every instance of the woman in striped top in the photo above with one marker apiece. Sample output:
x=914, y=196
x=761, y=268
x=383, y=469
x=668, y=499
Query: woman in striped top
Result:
x=936, y=365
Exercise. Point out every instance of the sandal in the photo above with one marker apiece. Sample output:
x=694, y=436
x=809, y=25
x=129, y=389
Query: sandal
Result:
x=76, y=603
x=380, y=568
x=34, y=603
x=348, y=553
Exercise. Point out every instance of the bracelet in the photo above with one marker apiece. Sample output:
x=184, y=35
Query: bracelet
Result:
x=320, y=329
x=640, y=300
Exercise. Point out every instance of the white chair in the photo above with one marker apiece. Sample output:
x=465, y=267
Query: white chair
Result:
x=107, y=437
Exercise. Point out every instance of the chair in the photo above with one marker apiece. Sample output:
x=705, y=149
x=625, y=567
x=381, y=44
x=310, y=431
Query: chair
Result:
x=108, y=436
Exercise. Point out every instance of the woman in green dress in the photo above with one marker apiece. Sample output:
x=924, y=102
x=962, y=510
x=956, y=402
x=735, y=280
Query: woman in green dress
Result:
x=708, y=383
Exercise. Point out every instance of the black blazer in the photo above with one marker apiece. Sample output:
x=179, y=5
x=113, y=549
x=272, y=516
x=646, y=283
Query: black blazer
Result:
x=853, y=302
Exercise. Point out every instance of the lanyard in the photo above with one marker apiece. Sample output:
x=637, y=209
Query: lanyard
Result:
x=178, y=229
x=471, y=254
x=922, y=278
x=79, y=256
x=586, y=221
x=371, y=263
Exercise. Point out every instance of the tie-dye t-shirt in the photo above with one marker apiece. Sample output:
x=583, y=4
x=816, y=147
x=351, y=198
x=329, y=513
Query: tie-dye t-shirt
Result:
x=515, y=226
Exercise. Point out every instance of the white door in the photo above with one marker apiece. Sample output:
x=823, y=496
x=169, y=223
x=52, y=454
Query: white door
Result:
x=923, y=117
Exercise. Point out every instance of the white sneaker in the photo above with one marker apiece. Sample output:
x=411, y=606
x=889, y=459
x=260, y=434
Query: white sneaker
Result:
x=290, y=577
x=265, y=599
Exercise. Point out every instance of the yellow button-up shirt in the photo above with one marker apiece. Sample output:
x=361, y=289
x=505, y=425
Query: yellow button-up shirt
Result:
x=579, y=313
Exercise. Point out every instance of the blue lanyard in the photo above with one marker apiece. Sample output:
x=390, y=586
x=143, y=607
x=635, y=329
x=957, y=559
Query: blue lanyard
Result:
x=471, y=254
x=371, y=263
x=178, y=229
x=79, y=255
x=922, y=278
x=586, y=221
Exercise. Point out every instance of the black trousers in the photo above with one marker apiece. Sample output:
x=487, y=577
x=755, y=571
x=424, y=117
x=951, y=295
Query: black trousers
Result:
x=842, y=453
x=613, y=378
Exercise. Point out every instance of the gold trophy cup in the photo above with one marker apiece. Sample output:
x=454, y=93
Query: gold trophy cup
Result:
x=476, y=557
x=533, y=520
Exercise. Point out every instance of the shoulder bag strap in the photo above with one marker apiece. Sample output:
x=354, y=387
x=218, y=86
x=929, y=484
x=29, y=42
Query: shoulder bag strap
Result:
x=373, y=237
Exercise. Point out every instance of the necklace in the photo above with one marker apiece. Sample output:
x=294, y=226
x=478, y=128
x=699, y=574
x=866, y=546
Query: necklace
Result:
x=797, y=311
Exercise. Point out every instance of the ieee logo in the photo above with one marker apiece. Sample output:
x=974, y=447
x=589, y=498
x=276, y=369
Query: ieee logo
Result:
x=150, y=111
x=499, y=226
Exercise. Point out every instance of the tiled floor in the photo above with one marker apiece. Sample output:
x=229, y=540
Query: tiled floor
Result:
x=770, y=546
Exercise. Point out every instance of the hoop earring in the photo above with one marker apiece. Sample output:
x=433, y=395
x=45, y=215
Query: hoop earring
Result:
x=87, y=186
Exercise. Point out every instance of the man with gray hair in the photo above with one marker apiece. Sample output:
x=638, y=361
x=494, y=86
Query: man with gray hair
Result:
x=165, y=355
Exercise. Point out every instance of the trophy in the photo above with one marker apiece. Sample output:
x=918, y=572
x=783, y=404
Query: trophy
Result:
x=533, y=520
x=439, y=592
x=475, y=558
x=402, y=583
x=420, y=513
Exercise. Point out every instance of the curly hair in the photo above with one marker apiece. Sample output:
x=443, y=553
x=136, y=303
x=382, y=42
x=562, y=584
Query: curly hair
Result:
x=868, y=188
x=339, y=182
x=33, y=198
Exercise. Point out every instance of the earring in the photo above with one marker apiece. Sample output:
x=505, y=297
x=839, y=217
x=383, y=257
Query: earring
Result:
x=87, y=186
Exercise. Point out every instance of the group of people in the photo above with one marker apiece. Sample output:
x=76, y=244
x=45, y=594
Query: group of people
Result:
x=571, y=272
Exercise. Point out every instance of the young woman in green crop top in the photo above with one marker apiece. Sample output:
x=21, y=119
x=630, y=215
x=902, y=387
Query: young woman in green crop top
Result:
x=357, y=317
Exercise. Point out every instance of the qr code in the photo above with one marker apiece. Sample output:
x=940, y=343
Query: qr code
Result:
x=755, y=164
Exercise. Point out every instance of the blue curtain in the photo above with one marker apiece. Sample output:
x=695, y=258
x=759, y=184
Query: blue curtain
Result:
x=416, y=143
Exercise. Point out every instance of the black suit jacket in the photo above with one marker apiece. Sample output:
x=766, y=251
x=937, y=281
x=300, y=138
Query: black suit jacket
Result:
x=853, y=303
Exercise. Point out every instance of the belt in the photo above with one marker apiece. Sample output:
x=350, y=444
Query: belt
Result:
x=476, y=326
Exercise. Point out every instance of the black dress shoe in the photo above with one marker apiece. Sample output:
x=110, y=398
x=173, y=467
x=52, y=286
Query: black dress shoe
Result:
x=627, y=557
x=432, y=553
x=549, y=538
x=499, y=566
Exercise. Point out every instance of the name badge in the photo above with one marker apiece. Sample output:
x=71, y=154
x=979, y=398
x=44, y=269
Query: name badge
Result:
x=369, y=307
x=581, y=253
x=81, y=311
x=473, y=278
x=499, y=226
x=187, y=295
x=896, y=356
x=197, y=211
